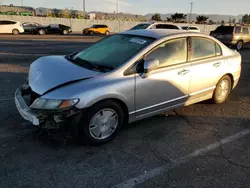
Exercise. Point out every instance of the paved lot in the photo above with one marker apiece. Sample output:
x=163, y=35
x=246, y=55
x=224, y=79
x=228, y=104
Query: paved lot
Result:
x=202, y=145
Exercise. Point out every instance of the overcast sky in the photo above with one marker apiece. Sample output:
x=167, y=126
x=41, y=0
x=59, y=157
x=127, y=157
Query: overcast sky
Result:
x=232, y=7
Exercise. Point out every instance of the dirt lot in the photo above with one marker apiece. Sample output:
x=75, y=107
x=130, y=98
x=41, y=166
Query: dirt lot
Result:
x=202, y=145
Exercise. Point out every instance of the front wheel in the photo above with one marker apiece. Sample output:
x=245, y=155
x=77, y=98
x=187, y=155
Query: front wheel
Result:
x=65, y=32
x=222, y=90
x=107, y=33
x=15, y=32
x=41, y=32
x=101, y=122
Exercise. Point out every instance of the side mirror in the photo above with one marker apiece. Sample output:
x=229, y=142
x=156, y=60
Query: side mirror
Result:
x=149, y=65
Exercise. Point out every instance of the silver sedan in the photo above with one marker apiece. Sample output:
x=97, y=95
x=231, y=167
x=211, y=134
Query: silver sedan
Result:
x=124, y=78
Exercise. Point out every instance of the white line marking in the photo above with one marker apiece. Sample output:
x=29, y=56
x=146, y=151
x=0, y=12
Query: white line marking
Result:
x=7, y=99
x=18, y=54
x=157, y=171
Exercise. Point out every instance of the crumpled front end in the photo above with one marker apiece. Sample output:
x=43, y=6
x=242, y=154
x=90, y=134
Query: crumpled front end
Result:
x=48, y=119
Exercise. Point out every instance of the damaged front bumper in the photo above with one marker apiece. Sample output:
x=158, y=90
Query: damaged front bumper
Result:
x=42, y=118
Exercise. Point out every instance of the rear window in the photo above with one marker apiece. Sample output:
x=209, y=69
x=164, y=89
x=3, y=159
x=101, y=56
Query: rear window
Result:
x=166, y=26
x=193, y=28
x=245, y=31
x=140, y=26
x=224, y=29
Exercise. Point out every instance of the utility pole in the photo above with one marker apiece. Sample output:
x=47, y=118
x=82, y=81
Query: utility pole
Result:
x=117, y=6
x=191, y=9
x=84, y=5
x=22, y=3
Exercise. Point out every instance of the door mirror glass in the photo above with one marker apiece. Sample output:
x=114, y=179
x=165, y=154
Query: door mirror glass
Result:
x=150, y=64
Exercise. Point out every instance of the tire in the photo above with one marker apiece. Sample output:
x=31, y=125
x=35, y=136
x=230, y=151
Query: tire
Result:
x=15, y=32
x=107, y=33
x=95, y=129
x=218, y=96
x=41, y=32
x=239, y=45
x=65, y=32
x=91, y=33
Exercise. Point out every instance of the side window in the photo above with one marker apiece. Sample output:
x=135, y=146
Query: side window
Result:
x=170, y=53
x=193, y=28
x=245, y=31
x=202, y=48
x=218, y=51
x=9, y=22
x=237, y=30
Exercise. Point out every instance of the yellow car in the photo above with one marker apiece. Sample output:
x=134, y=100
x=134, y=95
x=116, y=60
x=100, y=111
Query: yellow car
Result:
x=97, y=29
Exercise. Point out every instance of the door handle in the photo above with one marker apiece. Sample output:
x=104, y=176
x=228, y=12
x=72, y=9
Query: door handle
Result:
x=217, y=64
x=183, y=72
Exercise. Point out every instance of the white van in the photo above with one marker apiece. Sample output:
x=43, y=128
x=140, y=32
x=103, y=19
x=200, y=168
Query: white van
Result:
x=13, y=27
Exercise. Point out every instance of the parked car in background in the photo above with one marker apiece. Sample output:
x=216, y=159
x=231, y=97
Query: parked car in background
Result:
x=191, y=28
x=124, y=78
x=97, y=29
x=236, y=36
x=155, y=25
x=8, y=26
x=35, y=28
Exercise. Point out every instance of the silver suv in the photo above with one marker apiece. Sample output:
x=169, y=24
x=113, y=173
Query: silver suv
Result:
x=124, y=78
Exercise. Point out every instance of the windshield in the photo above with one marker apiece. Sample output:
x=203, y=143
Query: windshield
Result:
x=140, y=26
x=224, y=29
x=114, y=50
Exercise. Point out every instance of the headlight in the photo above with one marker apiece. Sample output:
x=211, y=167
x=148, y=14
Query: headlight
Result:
x=53, y=104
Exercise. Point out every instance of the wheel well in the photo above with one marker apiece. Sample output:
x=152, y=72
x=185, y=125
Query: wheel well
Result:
x=231, y=77
x=121, y=103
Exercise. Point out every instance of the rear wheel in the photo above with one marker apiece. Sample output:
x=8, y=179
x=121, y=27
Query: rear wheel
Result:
x=101, y=122
x=239, y=45
x=41, y=32
x=222, y=90
x=15, y=32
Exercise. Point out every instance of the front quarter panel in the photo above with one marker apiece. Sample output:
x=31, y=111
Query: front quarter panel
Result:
x=96, y=89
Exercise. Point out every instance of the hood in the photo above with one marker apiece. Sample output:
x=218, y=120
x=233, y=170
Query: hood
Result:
x=49, y=72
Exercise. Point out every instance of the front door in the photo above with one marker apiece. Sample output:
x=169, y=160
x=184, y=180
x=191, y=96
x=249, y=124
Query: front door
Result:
x=246, y=36
x=168, y=85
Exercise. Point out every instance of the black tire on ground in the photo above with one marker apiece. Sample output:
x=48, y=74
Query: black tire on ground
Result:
x=217, y=99
x=87, y=115
x=65, y=32
x=41, y=32
x=239, y=45
x=107, y=33
x=15, y=32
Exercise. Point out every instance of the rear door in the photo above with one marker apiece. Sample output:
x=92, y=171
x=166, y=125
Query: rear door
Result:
x=207, y=64
x=2, y=27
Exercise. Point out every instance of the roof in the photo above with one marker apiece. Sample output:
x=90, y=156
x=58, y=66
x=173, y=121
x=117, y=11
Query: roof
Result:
x=155, y=33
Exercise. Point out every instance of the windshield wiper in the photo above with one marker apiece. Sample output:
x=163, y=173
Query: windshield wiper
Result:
x=88, y=63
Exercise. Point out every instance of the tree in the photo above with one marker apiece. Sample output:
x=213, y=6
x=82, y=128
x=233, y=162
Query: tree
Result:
x=246, y=18
x=233, y=21
x=156, y=17
x=169, y=19
x=66, y=13
x=210, y=22
x=201, y=19
x=178, y=17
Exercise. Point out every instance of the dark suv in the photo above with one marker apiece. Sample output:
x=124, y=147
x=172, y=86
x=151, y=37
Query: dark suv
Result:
x=236, y=36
